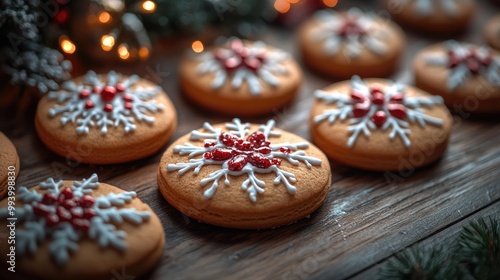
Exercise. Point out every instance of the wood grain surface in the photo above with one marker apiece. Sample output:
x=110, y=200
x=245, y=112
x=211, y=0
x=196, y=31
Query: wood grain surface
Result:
x=366, y=218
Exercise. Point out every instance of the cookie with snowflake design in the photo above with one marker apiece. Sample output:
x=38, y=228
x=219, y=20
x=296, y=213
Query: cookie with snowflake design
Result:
x=492, y=32
x=439, y=17
x=242, y=175
x=241, y=78
x=379, y=125
x=9, y=164
x=467, y=76
x=351, y=43
x=106, y=118
x=78, y=230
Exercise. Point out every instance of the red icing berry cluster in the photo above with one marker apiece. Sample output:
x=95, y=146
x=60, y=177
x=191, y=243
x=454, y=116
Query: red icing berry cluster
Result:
x=68, y=208
x=240, y=151
x=472, y=60
x=238, y=56
x=351, y=26
x=107, y=94
x=363, y=104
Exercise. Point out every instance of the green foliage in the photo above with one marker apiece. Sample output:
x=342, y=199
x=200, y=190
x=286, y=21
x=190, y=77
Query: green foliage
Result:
x=23, y=56
x=474, y=255
x=241, y=17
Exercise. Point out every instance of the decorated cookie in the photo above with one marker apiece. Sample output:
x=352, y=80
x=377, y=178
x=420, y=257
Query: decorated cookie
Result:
x=379, y=125
x=439, y=17
x=241, y=78
x=104, y=119
x=9, y=164
x=492, y=32
x=242, y=175
x=78, y=230
x=351, y=43
x=465, y=75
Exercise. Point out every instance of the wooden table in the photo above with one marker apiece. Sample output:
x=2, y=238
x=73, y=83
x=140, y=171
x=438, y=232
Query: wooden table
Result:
x=365, y=219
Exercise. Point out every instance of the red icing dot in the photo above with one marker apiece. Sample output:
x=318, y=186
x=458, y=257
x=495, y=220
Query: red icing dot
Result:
x=252, y=63
x=357, y=96
x=108, y=108
x=378, y=98
x=76, y=213
x=397, y=110
x=209, y=144
x=63, y=214
x=398, y=97
x=264, y=150
x=89, y=104
x=129, y=106
x=351, y=27
x=67, y=193
x=108, y=93
x=128, y=98
x=81, y=224
x=120, y=87
x=87, y=201
x=237, y=163
x=221, y=154
x=49, y=198
x=52, y=219
x=285, y=150
x=207, y=155
x=96, y=89
x=379, y=118
x=89, y=213
x=361, y=109
x=41, y=209
x=68, y=204
x=232, y=63
x=84, y=94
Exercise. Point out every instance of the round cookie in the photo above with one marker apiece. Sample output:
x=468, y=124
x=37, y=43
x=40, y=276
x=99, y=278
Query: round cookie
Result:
x=9, y=164
x=105, y=119
x=377, y=125
x=492, y=32
x=245, y=176
x=465, y=75
x=438, y=17
x=240, y=78
x=351, y=43
x=78, y=230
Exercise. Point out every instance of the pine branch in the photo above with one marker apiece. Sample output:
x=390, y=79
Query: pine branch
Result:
x=474, y=255
x=479, y=249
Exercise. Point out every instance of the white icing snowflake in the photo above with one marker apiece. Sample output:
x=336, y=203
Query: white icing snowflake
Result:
x=254, y=63
x=374, y=107
x=426, y=8
x=65, y=216
x=94, y=103
x=353, y=29
x=465, y=61
x=240, y=153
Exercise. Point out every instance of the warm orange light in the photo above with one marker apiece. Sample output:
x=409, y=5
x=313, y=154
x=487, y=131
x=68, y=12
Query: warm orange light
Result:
x=282, y=6
x=107, y=42
x=149, y=6
x=66, y=45
x=293, y=1
x=104, y=17
x=143, y=52
x=197, y=46
x=123, y=51
x=330, y=3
